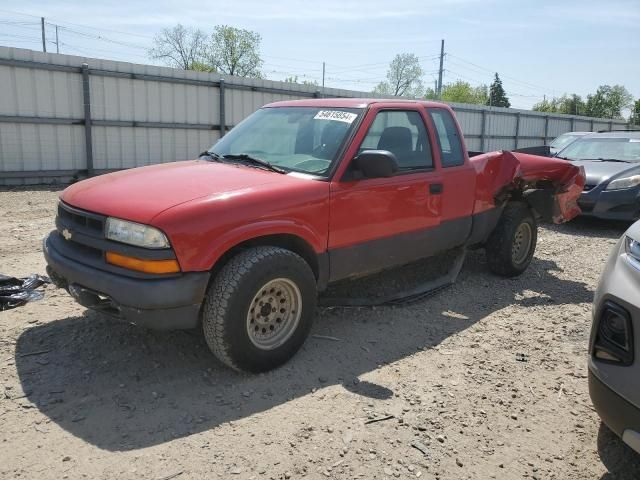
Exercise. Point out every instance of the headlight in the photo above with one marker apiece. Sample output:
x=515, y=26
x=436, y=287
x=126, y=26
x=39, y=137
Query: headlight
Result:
x=624, y=183
x=135, y=234
x=632, y=248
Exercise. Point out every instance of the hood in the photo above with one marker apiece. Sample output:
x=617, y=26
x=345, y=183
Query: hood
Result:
x=142, y=193
x=598, y=172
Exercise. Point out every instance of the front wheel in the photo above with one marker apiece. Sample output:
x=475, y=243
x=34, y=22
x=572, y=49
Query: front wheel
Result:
x=511, y=245
x=259, y=309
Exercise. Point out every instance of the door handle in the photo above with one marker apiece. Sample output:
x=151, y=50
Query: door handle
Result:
x=435, y=188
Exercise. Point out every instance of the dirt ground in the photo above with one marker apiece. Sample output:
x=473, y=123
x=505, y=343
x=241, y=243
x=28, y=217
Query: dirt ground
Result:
x=84, y=397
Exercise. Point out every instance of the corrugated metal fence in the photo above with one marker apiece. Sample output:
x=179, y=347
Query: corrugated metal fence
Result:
x=63, y=116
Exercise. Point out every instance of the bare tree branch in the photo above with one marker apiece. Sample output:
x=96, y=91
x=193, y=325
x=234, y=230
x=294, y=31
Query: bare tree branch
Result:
x=179, y=47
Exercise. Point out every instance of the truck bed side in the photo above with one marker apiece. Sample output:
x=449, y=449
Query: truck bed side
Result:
x=551, y=186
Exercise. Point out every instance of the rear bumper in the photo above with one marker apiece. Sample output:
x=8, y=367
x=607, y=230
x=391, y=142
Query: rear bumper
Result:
x=166, y=303
x=621, y=416
x=611, y=205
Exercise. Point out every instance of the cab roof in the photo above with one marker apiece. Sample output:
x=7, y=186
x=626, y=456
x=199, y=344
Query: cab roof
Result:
x=351, y=102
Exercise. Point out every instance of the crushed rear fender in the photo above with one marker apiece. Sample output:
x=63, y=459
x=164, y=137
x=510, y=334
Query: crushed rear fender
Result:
x=551, y=186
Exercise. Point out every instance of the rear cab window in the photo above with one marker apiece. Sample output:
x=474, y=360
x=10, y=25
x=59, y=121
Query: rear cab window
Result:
x=448, y=137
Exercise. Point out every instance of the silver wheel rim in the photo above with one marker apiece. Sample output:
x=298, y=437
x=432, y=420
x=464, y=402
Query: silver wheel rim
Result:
x=521, y=243
x=274, y=313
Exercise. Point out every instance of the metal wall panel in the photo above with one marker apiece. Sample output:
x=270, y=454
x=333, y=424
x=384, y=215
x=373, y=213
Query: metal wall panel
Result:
x=558, y=126
x=470, y=122
x=182, y=109
x=582, y=126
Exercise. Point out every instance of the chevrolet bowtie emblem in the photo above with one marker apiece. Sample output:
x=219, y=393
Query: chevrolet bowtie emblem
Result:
x=67, y=234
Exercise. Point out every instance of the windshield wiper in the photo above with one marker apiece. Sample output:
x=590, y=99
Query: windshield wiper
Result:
x=563, y=158
x=607, y=160
x=253, y=160
x=211, y=155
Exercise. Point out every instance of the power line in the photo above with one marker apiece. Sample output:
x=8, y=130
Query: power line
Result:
x=63, y=22
x=527, y=84
x=104, y=39
x=480, y=83
x=378, y=64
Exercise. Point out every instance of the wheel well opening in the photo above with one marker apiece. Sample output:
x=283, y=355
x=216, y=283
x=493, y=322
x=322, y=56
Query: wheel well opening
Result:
x=537, y=195
x=287, y=241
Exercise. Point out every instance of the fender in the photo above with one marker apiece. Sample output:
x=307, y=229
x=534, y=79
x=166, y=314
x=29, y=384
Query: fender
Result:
x=219, y=246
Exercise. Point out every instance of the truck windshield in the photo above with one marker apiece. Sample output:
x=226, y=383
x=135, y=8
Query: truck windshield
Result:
x=298, y=139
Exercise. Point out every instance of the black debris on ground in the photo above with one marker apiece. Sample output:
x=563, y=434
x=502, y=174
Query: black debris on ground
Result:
x=15, y=292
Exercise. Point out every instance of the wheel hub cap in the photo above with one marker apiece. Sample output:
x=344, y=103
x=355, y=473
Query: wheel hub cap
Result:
x=274, y=313
x=521, y=243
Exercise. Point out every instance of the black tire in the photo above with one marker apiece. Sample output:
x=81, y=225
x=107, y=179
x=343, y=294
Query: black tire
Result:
x=503, y=241
x=232, y=293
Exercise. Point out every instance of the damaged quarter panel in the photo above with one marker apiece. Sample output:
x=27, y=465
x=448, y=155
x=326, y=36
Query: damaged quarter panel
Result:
x=552, y=187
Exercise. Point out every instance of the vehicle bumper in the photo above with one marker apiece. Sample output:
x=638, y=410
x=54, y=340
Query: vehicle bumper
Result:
x=611, y=205
x=167, y=303
x=621, y=416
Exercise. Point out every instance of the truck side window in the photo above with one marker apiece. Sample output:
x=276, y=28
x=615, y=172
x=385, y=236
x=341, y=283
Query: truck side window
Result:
x=403, y=133
x=448, y=137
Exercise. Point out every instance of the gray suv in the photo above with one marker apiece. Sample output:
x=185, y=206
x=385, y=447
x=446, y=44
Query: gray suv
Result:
x=614, y=368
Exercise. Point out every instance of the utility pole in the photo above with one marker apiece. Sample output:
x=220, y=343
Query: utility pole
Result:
x=44, y=42
x=57, y=43
x=440, y=70
x=323, y=77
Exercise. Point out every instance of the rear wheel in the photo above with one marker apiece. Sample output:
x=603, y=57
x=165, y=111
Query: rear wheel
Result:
x=511, y=245
x=259, y=309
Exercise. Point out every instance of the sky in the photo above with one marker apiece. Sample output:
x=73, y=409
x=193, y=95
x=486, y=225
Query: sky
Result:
x=539, y=48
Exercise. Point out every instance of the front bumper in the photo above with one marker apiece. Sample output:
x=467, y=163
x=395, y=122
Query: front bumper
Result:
x=165, y=303
x=621, y=204
x=621, y=416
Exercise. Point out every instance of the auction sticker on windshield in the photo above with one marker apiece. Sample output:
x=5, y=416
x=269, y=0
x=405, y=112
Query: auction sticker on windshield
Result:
x=336, y=115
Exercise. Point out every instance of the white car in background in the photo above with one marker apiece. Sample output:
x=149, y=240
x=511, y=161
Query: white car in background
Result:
x=614, y=367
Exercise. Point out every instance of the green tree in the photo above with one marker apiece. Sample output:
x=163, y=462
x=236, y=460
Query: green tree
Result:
x=179, y=47
x=202, y=67
x=608, y=102
x=497, y=95
x=234, y=51
x=463, y=92
x=571, y=105
x=568, y=104
x=404, y=77
x=634, y=119
x=294, y=79
x=549, y=106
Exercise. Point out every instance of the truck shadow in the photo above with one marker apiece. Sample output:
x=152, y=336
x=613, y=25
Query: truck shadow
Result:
x=621, y=462
x=122, y=388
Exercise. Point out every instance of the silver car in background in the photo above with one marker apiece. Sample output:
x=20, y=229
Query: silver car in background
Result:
x=564, y=140
x=611, y=162
x=614, y=367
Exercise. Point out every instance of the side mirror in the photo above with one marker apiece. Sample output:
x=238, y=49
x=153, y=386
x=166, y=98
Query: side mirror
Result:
x=376, y=163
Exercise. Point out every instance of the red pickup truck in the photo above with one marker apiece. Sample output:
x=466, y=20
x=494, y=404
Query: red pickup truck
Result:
x=298, y=195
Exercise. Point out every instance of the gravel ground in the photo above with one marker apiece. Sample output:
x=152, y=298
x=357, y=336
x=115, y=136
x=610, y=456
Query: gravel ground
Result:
x=84, y=397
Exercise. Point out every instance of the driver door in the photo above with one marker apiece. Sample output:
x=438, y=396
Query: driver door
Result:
x=376, y=223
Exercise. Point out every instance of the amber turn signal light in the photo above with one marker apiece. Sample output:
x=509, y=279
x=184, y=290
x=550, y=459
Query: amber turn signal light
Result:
x=143, y=265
